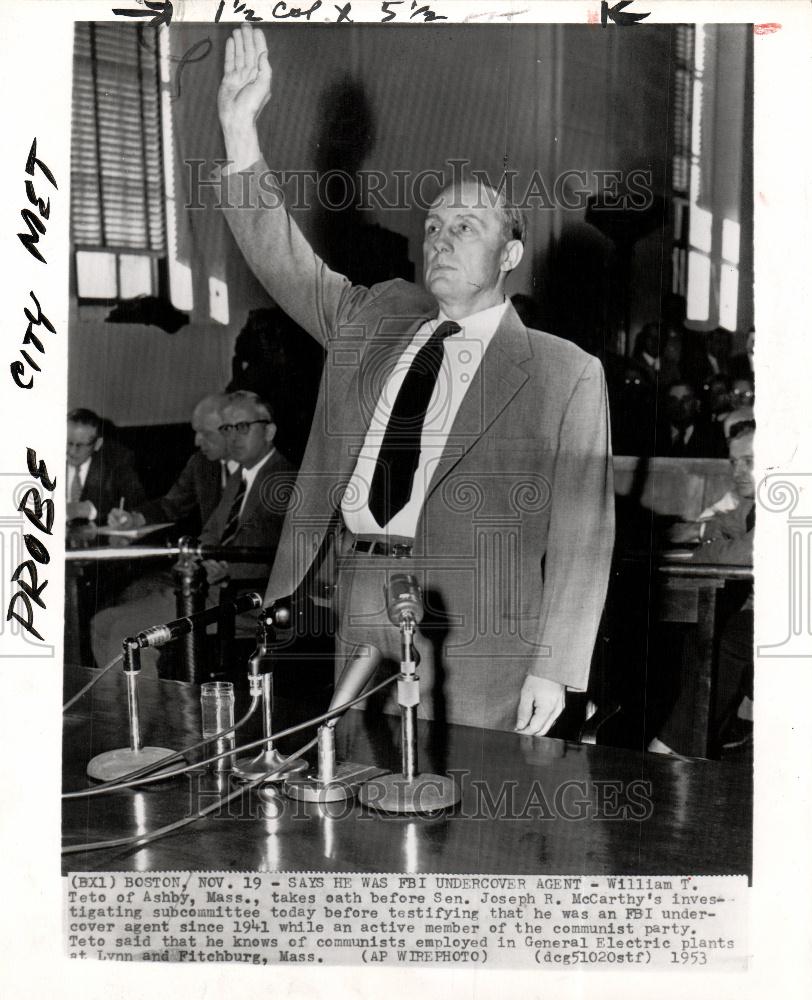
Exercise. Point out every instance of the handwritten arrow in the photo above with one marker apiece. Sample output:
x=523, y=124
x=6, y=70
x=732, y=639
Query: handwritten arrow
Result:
x=616, y=15
x=161, y=8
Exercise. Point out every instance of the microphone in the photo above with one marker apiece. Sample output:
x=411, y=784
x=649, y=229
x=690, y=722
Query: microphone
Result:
x=404, y=599
x=159, y=635
x=279, y=614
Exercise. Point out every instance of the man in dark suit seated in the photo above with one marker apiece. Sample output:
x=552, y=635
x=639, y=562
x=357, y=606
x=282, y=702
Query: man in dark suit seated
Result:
x=725, y=538
x=249, y=514
x=681, y=434
x=99, y=474
x=199, y=487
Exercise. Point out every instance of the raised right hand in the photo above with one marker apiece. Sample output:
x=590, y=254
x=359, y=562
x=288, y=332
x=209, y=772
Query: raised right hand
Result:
x=246, y=85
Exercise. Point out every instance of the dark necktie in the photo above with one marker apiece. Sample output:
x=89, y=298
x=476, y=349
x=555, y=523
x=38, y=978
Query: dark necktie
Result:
x=750, y=518
x=393, y=478
x=233, y=521
x=75, y=486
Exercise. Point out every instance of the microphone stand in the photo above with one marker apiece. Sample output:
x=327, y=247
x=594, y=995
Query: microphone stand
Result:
x=115, y=764
x=332, y=782
x=409, y=792
x=269, y=761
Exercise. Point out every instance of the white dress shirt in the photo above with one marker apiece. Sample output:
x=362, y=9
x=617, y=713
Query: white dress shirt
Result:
x=249, y=475
x=227, y=469
x=461, y=360
x=81, y=471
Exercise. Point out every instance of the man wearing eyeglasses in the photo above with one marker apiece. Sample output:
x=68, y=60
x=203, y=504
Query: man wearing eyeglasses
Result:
x=254, y=500
x=249, y=515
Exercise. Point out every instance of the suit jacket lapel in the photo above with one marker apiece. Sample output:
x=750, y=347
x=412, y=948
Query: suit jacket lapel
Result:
x=498, y=379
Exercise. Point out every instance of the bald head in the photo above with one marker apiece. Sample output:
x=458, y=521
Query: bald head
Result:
x=206, y=419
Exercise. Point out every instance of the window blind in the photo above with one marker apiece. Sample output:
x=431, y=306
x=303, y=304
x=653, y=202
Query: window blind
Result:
x=117, y=190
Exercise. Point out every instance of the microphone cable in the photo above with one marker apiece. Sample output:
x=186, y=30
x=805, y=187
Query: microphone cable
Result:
x=126, y=780
x=136, y=779
x=92, y=681
x=146, y=838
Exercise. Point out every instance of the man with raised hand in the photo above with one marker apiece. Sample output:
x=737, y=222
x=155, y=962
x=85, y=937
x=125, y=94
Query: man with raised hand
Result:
x=449, y=442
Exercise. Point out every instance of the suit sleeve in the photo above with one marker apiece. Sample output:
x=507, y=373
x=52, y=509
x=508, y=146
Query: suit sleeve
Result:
x=119, y=480
x=179, y=501
x=581, y=535
x=726, y=542
x=292, y=273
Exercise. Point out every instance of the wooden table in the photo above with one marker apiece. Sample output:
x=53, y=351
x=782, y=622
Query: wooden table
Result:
x=528, y=805
x=687, y=593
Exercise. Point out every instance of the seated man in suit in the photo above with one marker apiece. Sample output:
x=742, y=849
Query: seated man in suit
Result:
x=681, y=434
x=727, y=537
x=249, y=514
x=198, y=488
x=98, y=474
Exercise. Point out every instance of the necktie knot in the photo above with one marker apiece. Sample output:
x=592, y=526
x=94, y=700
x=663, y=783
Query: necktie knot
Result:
x=446, y=329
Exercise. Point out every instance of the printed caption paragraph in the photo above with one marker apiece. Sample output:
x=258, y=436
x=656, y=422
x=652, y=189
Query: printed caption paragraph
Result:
x=264, y=918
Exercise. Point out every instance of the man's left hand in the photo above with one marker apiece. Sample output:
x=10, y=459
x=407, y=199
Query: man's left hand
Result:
x=540, y=703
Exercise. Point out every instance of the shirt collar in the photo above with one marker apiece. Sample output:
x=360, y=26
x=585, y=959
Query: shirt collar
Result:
x=479, y=325
x=249, y=475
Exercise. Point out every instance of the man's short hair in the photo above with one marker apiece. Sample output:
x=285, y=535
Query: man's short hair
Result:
x=741, y=429
x=87, y=418
x=514, y=224
x=212, y=403
x=244, y=397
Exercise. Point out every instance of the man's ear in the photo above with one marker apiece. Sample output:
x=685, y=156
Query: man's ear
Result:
x=270, y=432
x=512, y=255
x=98, y=443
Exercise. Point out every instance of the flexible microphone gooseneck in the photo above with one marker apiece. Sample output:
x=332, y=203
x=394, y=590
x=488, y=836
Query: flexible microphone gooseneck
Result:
x=159, y=635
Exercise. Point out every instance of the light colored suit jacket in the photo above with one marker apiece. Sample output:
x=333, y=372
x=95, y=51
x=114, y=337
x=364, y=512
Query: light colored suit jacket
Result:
x=517, y=528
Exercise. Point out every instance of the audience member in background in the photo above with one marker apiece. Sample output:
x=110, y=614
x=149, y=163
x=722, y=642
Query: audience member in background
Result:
x=727, y=537
x=646, y=352
x=197, y=490
x=632, y=407
x=741, y=365
x=743, y=393
x=680, y=434
x=717, y=405
x=710, y=356
x=250, y=514
x=99, y=472
x=693, y=532
x=671, y=346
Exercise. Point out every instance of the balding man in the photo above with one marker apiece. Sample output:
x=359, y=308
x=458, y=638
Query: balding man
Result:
x=449, y=441
x=249, y=515
x=197, y=490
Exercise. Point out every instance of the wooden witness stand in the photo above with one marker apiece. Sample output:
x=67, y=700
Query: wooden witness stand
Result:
x=687, y=594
